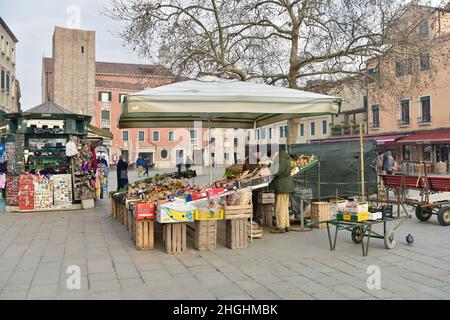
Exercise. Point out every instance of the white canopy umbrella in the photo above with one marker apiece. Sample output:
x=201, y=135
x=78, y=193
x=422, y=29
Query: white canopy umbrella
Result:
x=224, y=103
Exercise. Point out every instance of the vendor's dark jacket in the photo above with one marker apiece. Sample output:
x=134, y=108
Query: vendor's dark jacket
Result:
x=283, y=182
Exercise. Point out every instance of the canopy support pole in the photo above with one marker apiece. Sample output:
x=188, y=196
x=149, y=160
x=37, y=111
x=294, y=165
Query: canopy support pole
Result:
x=209, y=153
x=361, y=146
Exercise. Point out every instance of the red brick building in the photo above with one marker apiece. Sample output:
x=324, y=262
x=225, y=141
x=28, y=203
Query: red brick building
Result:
x=113, y=81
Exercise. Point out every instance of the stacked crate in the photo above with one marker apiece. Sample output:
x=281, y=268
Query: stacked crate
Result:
x=320, y=211
x=236, y=217
x=174, y=236
x=266, y=208
x=206, y=235
x=256, y=231
x=144, y=234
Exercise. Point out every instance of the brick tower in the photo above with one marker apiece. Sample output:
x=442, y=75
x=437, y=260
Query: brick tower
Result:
x=74, y=70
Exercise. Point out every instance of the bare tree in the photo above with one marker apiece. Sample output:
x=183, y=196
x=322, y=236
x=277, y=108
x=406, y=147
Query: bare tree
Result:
x=284, y=42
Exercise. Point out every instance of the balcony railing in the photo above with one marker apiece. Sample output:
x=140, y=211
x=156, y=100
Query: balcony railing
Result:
x=404, y=122
x=424, y=120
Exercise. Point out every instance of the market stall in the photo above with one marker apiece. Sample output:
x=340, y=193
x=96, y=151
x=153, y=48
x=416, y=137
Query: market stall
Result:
x=51, y=165
x=222, y=103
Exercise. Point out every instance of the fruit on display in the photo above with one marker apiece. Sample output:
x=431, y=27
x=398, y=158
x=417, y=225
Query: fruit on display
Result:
x=233, y=171
x=237, y=172
x=303, y=161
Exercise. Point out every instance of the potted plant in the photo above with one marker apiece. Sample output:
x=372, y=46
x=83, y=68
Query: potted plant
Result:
x=336, y=130
x=346, y=128
x=355, y=127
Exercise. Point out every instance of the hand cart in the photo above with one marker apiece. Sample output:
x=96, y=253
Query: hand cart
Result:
x=434, y=195
x=363, y=229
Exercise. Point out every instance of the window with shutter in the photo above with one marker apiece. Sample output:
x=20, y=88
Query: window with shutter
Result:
x=426, y=110
x=324, y=127
x=7, y=82
x=405, y=111
x=313, y=128
x=3, y=79
x=375, y=116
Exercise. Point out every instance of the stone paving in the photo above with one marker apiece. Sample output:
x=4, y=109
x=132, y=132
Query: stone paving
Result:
x=37, y=249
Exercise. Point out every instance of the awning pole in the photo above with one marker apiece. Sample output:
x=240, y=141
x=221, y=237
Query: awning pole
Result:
x=209, y=153
x=361, y=146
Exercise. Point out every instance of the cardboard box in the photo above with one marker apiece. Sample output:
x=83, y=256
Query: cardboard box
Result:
x=145, y=211
x=215, y=213
x=375, y=215
x=356, y=217
x=176, y=211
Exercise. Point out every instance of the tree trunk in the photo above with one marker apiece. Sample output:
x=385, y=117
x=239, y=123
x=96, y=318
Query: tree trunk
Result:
x=292, y=77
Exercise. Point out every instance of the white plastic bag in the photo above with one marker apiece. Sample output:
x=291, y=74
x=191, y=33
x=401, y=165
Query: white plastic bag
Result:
x=71, y=149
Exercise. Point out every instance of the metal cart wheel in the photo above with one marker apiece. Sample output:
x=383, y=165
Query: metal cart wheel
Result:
x=357, y=235
x=444, y=216
x=390, y=239
x=423, y=214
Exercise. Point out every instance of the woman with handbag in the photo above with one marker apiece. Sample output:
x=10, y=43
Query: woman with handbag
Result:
x=122, y=173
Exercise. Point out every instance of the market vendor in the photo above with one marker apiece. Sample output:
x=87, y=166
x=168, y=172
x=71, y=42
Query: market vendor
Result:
x=283, y=185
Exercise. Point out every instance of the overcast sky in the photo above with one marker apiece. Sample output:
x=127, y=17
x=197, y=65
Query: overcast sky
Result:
x=33, y=22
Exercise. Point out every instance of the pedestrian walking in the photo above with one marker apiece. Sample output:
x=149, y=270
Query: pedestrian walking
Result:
x=284, y=185
x=389, y=163
x=140, y=166
x=179, y=160
x=188, y=163
x=122, y=173
x=146, y=166
x=380, y=160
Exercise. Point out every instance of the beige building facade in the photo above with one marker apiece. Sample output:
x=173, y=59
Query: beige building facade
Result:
x=413, y=99
x=346, y=123
x=9, y=91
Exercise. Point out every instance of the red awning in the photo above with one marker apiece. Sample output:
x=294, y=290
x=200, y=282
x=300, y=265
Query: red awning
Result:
x=434, y=137
x=381, y=140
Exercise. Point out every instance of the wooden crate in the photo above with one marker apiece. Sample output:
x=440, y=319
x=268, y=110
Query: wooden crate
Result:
x=113, y=208
x=174, y=237
x=236, y=236
x=133, y=229
x=131, y=225
x=120, y=212
x=144, y=234
x=206, y=235
x=125, y=217
x=238, y=212
x=320, y=211
x=266, y=212
x=266, y=198
x=256, y=232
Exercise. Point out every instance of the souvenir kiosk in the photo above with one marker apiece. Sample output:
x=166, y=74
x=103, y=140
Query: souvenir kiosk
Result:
x=44, y=176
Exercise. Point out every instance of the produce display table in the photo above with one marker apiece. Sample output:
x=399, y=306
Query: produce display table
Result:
x=363, y=229
x=174, y=202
